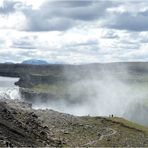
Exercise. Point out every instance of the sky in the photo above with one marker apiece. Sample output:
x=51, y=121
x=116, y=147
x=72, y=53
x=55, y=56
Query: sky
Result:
x=74, y=31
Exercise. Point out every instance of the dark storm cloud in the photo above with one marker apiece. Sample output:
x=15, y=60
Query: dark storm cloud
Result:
x=63, y=15
x=129, y=21
x=9, y=7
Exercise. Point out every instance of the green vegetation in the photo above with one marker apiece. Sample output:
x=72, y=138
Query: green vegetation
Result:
x=49, y=88
x=129, y=124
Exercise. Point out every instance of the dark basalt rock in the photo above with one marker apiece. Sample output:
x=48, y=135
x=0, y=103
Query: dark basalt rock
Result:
x=20, y=126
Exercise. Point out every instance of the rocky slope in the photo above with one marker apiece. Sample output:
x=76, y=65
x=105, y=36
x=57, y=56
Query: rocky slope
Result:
x=20, y=125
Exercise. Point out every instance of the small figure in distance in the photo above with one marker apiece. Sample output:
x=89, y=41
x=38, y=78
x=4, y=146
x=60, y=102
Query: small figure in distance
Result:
x=7, y=144
x=112, y=115
x=10, y=145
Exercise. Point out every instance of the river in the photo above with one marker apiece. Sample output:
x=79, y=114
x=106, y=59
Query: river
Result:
x=8, y=89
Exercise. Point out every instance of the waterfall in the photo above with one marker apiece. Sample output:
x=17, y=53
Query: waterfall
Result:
x=8, y=90
x=9, y=93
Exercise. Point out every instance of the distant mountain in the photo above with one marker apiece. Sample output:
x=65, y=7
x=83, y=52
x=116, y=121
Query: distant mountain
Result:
x=35, y=62
x=8, y=63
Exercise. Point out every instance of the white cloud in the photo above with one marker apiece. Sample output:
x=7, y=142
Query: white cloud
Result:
x=72, y=32
x=15, y=21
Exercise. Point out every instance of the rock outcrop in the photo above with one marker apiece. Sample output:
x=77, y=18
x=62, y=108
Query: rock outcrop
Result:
x=21, y=127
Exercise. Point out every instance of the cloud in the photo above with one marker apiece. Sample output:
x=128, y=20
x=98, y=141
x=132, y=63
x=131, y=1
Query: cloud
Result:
x=85, y=43
x=2, y=43
x=9, y=7
x=55, y=15
x=128, y=15
x=37, y=23
x=24, y=43
x=61, y=16
x=73, y=31
x=12, y=55
x=127, y=21
x=79, y=10
x=109, y=34
x=70, y=3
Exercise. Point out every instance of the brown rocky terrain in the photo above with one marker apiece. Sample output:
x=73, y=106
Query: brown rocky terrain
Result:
x=20, y=125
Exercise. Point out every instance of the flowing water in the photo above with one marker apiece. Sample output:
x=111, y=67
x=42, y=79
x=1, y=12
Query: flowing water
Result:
x=8, y=89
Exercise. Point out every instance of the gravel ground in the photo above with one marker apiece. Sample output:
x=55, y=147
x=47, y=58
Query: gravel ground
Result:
x=22, y=126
